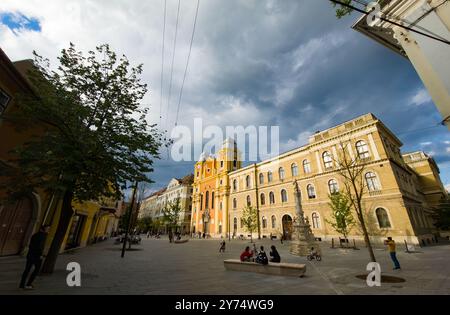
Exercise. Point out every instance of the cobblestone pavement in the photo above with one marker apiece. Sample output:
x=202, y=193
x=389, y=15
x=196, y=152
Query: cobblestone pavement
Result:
x=196, y=267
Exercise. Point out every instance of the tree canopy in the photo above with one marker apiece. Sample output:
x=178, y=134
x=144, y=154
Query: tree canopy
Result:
x=341, y=219
x=250, y=219
x=94, y=135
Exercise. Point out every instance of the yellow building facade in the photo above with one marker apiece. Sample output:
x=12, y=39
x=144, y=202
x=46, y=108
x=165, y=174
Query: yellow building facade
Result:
x=398, y=199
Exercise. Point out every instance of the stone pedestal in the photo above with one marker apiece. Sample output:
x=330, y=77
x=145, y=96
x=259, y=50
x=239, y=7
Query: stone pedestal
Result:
x=303, y=240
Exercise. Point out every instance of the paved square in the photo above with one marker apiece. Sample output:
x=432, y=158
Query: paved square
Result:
x=196, y=267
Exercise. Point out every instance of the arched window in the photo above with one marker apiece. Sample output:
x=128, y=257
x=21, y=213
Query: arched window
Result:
x=333, y=186
x=247, y=181
x=263, y=199
x=234, y=203
x=372, y=181
x=235, y=225
x=281, y=173
x=261, y=178
x=220, y=205
x=242, y=223
x=383, y=219
x=362, y=149
x=327, y=159
x=274, y=222
x=271, y=198
x=207, y=200
x=234, y=185
x=315, y=220
x=311, y=191
x=283, y=195
x=294, y=169
x=249, y=201
x=269, y=176
x=306, y=167
x=264, y=222
x=212, y=200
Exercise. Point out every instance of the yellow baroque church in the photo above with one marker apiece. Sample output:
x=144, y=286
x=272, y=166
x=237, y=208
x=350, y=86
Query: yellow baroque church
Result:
x=401, y=189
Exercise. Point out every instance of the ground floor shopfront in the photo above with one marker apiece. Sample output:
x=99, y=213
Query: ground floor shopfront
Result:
x=20, y=219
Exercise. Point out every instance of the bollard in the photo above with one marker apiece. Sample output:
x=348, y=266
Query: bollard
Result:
x=332, y=242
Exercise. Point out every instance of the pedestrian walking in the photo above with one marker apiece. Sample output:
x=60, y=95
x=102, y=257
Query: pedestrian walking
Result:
x=34, y=257
x=222, y=247
x=391, y=245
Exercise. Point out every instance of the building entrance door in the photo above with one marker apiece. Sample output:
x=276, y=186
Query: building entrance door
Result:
x=287, y=227
x=14, y=223
x=76, y=229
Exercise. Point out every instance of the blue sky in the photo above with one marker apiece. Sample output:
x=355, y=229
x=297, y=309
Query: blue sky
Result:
x=18, y=21
x=288, y=63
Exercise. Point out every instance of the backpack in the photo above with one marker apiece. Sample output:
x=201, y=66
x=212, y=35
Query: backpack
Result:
x=262, y=258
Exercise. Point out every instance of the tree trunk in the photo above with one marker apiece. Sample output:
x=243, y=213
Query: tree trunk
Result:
x=61, y=230
x=366, y=238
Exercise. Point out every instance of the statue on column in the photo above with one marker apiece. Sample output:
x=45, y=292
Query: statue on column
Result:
x=302, y=237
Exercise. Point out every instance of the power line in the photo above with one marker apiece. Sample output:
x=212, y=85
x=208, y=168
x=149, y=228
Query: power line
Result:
x=173, y=60
x=162, y=63
x=187, y=62
x=392, y=22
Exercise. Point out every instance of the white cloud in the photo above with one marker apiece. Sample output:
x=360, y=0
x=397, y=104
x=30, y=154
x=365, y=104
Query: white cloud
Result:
x=302, y=139
x=421, y=97
x=447, y=187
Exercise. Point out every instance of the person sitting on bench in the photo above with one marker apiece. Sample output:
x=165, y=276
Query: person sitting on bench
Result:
x=261, y=258
x=247, y=254
x=274, y=256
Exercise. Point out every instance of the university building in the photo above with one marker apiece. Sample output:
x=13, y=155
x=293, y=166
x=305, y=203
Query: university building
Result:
x=153, y=205
x=401, y=189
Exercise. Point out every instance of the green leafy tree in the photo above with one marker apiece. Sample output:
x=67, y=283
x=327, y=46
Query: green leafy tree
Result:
x=441, y=215
x=96, y=137
x=156, y=225
x=250, y=220
x=144, y=224
x=171, y=214
x=341, y=219
x=343, y=10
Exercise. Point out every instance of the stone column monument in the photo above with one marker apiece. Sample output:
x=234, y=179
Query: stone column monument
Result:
x=302, y=237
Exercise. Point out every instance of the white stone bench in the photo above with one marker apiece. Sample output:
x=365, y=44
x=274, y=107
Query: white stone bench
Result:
x=278, y=269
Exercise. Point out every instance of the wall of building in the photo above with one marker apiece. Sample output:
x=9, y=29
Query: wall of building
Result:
x=397, y=190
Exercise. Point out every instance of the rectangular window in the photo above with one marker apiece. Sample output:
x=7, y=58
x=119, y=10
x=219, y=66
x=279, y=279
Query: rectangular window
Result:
x=4, y=100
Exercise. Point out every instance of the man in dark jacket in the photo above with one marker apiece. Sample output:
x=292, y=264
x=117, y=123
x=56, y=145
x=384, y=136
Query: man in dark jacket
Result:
x=35, y=250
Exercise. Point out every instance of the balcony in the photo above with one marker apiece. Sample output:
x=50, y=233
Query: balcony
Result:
x=375, y=193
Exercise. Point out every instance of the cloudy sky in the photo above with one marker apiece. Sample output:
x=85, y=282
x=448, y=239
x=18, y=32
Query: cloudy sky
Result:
x=287, y=63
